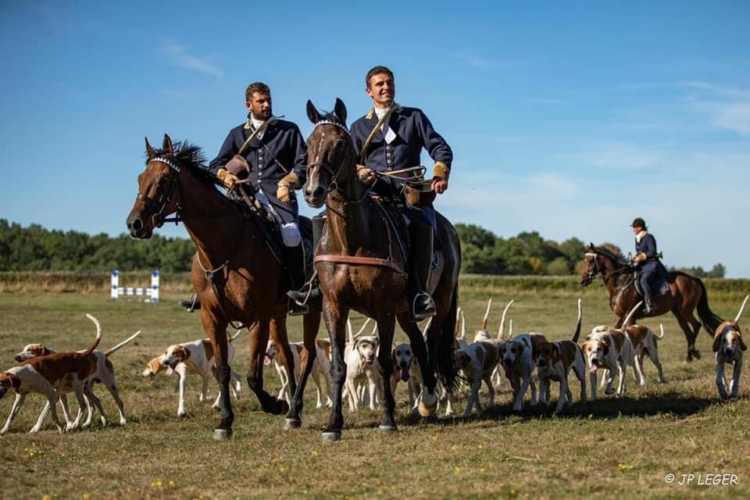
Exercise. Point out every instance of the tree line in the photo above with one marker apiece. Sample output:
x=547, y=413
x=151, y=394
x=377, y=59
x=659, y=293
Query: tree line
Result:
x=35, y=248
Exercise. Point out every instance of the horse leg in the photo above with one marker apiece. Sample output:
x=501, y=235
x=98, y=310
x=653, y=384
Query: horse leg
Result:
x=259, y=333
x=419, y=347
x=217, y=334
x=386, y=326
x=310, y=325
x=690, y=327
x=336, y=323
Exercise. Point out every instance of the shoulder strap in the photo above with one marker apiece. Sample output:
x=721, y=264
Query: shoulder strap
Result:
x=255, y=134
x=378, y=126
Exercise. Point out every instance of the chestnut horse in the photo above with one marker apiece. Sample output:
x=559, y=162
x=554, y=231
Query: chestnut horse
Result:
x=234, y=273
x=361, y=267
x=686, y=293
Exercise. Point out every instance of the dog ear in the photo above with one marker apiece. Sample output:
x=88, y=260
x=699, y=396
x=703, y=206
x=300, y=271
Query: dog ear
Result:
x=742, y=344
x=717, y=342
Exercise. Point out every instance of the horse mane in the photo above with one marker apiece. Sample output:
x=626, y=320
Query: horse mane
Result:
x=617, y=258
x=187, y=154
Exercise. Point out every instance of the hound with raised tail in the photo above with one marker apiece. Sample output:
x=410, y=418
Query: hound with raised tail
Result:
x=644, y=343
x=362, y=368
x=45, y=374
x=105, y=374
x=497, y=373
x=729, y=348
x=555, y=361
x=476, y=361
x=193, y=357
x=609, y=348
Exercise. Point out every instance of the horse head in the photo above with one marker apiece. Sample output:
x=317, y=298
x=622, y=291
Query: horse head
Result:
x=158, y=185
x=329, y=149
x=591, y=266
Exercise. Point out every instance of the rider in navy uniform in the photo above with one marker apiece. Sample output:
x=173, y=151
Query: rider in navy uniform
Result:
x=645, y=259
x=275, y=162
x=397, y=145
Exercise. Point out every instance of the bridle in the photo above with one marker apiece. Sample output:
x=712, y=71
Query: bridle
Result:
x=333, y=171
x=165, y=195
x=598, y=269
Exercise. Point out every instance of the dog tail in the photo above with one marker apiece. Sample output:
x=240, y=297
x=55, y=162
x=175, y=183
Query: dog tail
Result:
x=487, y=314
x=578, y=328
x=630, y=315
x=661, y=327
x=742, y=308
x=237, y=334
x=98, y=335
x=501, y=331
x=122, y=344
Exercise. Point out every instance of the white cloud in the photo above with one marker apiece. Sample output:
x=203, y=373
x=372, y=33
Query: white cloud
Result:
x=182, y=58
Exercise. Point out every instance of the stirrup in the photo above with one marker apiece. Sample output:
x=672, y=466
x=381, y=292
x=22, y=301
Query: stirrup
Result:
x=427, y=308
x=295, y=308
x=191, y=304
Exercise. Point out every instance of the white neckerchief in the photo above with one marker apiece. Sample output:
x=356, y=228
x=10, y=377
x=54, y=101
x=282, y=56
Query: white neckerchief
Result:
x=641, y=235
x=256, y=125
x=388, y=132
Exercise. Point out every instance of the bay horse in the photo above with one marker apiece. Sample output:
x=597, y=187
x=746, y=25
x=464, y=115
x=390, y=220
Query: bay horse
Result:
x=234, y=273
x=686, y=293
x=361, y=267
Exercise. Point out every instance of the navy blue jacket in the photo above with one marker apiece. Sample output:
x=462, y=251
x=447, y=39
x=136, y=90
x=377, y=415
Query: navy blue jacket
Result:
x=413, y=132
x=281, y=150
x=647, y=245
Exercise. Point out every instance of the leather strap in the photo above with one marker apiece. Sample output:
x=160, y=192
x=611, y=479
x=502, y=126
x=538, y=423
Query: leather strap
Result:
x=378, y=126
x=363, y=261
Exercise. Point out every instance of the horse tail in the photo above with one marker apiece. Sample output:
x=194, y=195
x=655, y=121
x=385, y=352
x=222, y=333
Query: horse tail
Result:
x=709, y=320
x=444, y=366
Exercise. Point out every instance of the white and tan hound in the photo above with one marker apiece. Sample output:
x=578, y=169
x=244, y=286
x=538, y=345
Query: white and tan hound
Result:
x=645, y=343
x=519, y=360
x=729, y=348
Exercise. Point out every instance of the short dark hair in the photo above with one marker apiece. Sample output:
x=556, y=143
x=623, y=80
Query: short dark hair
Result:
x=377, y=70
x=256, y=87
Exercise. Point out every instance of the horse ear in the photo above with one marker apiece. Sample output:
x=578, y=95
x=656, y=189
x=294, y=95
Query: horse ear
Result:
x=591, y=246
x=340, y=110
x=167, y=144
x=149, y=150
x=312, y=112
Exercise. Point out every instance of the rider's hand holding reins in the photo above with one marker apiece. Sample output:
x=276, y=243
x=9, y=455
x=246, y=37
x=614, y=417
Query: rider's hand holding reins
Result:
x=440, y=177
x=227, y=178
x=366, y=175
x=286, y=186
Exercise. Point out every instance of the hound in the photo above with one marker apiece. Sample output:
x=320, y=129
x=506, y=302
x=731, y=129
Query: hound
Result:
x=321, y=366
x=477, y=361
x=729, y=348
x=362, y=368
x=500, y=341
x=45, y=374
x=644, y=343
x=609, y=348
x=519, y=360
x=193, y=357
x=105, y=373
x=404, y=365
x=555, y=361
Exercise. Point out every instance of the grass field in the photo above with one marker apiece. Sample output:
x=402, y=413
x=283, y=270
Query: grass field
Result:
x=611, y=448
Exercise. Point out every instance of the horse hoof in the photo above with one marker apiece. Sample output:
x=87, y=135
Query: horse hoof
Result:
x=292, y=423
x=222, y=434
x=282, y=407
x=385, y=428
x=428, y=404
x=697, y=354
x=331, y=436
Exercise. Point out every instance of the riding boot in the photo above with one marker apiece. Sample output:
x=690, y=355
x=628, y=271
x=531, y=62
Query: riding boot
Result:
x=191, y=304
x=648, y=308
x=309, y=293
x=420, y=261
x=294, y=258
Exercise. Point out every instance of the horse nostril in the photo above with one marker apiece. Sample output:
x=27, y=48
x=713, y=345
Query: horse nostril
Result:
x=135, y=224
x=318, y=192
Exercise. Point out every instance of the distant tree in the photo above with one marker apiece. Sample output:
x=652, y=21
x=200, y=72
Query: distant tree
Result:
x=474, y=235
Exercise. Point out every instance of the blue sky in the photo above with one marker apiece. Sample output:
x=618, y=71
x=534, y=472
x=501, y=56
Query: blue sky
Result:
x=566, y=118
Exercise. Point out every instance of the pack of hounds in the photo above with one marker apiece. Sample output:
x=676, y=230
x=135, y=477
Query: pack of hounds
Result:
x=523, y=360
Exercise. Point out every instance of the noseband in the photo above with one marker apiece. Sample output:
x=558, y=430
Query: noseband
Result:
x=160, y=204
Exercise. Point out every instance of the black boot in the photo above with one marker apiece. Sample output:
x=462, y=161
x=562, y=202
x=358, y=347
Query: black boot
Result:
x=648, y=308
x=420, y=261
x=309, y=293
x=294, y=260
x=191, y=304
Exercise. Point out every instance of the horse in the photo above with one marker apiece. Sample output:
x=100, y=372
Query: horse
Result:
x=686, y=293
x=361, y=266
x=235, y=274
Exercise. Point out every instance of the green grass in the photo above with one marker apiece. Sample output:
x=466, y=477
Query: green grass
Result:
x=610, y=448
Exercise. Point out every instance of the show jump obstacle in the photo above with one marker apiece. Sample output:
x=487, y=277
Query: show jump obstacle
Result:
x=152, y=293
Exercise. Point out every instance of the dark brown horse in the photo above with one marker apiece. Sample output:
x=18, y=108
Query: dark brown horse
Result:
x=234, y=273
x=686, y=293
x=361, y=267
